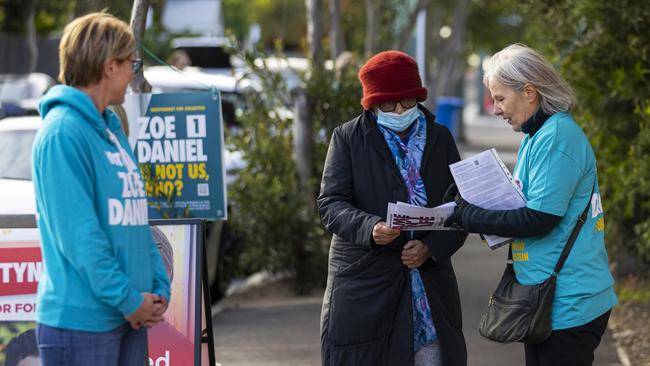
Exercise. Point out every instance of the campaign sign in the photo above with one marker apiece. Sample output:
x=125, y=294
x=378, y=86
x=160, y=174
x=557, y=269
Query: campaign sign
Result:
x=178, y=141
x=174, y=341
x=21, y=266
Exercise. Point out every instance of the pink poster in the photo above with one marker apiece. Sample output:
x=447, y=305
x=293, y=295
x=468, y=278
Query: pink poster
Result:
x=20, y=269
x=171, y=342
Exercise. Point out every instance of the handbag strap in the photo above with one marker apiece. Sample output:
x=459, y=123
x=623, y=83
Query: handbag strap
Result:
x=569, y=244
x=574, y=235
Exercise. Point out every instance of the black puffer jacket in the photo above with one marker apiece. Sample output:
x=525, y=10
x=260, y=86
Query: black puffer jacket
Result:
x=367, y=310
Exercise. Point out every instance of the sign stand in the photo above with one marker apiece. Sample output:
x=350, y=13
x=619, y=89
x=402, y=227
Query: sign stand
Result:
x=207, y=334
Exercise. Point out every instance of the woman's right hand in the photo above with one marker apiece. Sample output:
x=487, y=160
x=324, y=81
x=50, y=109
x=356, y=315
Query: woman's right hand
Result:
x=382, y=234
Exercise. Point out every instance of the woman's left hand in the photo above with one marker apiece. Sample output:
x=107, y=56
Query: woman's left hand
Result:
x=456, y=218
x=414, y=253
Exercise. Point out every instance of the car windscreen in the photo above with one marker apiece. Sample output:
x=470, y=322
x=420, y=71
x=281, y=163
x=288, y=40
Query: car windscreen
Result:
x=208, y=57
x=16, y=153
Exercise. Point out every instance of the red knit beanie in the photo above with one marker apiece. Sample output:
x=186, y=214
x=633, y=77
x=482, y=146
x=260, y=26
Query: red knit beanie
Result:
x=390, y=75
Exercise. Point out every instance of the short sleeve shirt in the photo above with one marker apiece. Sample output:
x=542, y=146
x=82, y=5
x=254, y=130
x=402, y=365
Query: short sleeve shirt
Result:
x=556, y=170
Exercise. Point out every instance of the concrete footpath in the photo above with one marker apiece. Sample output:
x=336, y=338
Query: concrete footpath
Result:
x=268, y=326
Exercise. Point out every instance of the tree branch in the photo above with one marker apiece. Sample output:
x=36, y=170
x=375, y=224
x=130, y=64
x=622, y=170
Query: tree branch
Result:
x=138, y=24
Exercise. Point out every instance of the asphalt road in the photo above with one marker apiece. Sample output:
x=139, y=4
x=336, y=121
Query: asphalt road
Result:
x=271, y=327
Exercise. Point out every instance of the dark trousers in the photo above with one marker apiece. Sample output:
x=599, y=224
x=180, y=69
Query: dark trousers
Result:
x=568, y=347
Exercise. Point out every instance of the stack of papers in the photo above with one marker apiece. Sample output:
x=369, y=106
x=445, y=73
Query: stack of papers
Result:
x=483, y=180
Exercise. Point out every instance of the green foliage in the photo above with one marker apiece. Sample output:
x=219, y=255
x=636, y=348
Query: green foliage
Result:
x=237, y=17
x=162, y=195
x=633, y=288
x=273, y=214
x=335, y=96
x=10, y=330
x=279, y=20
x=492, y=24
x=603, y=50
x=53, y=15
x=626, y=294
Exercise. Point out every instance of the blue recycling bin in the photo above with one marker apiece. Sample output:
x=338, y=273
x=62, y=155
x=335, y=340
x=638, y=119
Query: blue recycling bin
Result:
x=448, y=113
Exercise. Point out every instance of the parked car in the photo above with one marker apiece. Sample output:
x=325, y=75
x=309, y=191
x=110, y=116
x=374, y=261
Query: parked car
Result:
x=19, y=93
x=208, y=53
x=16, y=187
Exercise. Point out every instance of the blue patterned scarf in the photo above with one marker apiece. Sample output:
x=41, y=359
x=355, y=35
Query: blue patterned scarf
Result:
x=408, y=157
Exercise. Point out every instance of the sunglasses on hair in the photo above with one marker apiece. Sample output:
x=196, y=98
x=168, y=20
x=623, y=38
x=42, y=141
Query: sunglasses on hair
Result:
x=136, y=65
x=390, y=106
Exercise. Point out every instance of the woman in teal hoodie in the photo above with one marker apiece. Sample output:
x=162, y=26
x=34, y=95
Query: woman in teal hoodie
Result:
x=104, y=281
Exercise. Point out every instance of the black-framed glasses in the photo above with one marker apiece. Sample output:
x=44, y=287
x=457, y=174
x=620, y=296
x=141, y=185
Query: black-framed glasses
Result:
x=390, y=106
x=136, y=65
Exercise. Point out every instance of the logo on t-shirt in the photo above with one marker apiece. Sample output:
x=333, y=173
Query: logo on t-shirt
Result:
x=596, y=205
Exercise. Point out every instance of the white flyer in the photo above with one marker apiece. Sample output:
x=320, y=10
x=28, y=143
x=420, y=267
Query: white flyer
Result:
x=405, y=216
x=484, y=180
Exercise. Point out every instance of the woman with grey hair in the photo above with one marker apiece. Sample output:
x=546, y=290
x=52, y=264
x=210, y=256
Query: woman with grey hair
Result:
x=556, y=170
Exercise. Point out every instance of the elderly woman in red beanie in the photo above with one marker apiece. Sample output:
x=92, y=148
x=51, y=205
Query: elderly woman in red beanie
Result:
x=391, y=296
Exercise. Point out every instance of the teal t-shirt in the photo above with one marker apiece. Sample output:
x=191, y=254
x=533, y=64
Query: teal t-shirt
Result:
x=556, y=170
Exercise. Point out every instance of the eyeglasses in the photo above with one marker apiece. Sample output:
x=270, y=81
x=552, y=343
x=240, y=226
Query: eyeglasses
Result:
x=136, y=65
x=390, y=106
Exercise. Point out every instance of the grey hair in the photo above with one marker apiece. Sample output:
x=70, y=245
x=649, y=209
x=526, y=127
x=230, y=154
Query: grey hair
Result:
x=518, y=65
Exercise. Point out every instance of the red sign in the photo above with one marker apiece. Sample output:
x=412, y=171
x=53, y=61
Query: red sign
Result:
x=20, y=270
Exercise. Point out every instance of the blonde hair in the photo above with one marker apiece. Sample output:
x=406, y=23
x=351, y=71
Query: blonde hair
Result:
x=88, y=42
x=119, y=110
x=518, y=65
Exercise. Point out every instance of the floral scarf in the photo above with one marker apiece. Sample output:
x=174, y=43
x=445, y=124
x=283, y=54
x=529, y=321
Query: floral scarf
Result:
x=408, y=157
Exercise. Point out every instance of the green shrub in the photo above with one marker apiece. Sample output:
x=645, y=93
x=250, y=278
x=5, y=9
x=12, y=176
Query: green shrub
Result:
x=275, y=217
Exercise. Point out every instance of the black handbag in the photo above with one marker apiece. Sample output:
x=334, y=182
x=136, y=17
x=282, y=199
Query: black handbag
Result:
x=519, y=313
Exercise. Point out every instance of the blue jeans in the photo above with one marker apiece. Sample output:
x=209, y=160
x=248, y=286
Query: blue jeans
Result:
x=122, y=346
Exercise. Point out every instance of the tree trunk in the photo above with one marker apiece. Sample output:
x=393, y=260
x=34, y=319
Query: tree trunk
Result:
x=138, y=23
x=406, y=33
x=314, y=31
x=337, y=43
x=302, y=138
x=371, y=28
x=450, y=66
x=434, y=22
x=32, y=46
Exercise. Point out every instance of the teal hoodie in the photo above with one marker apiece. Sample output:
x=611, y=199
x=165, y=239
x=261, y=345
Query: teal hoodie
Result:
x=98, y=251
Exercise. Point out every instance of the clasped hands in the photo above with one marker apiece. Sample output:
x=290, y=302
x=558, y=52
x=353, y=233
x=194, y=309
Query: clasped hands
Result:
x=150, y=311
x=414, y=253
